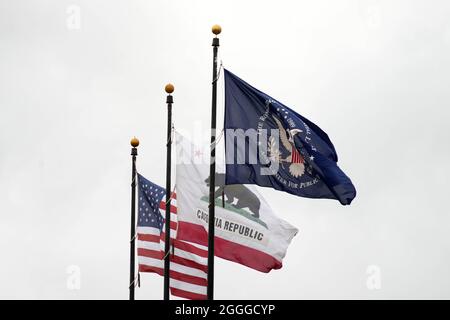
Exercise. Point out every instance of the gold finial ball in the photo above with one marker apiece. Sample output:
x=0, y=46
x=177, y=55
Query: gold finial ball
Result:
x=169, y=88
x=134, y=142
x=216, y=29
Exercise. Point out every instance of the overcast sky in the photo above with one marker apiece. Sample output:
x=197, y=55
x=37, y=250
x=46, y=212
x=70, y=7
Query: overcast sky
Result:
x=373, y=74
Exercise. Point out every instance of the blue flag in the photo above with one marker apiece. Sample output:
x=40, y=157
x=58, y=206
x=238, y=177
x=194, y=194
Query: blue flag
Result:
x=269, y=144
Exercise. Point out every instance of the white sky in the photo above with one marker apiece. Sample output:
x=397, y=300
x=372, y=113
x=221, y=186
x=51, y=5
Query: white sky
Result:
x=373, y=74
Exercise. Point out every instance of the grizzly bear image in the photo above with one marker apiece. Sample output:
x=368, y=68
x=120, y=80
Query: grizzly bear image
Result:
x=245, y=198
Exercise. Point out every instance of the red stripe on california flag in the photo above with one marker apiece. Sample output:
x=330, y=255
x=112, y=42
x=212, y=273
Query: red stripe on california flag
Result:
x=228, y=250
x=187, y=295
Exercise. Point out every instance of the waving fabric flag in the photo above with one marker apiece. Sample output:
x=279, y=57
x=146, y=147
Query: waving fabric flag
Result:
x=303, y=164
x=188, y=261
x=246, y=229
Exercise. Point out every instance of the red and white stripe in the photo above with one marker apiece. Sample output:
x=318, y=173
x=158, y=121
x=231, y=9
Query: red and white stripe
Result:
x=296, y=156
x=229, y=250
x=188, y=261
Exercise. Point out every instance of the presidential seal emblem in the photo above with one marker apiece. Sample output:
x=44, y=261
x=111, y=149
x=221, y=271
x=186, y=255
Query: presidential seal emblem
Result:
x=292, y=159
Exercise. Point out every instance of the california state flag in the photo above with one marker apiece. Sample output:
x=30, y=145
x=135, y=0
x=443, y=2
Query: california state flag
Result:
x=246, y=229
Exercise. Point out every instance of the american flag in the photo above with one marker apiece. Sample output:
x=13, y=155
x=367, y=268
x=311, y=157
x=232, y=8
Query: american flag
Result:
x=188, y=266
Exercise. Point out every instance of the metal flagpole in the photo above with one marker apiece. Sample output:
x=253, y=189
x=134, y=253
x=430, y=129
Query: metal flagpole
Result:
x=216, y=29
x=134, y=143
x=169, y=89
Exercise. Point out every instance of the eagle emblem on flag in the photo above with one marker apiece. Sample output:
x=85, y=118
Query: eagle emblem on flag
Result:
x=282, y=149
x=294, y=159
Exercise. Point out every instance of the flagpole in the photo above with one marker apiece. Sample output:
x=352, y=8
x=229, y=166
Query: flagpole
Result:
x=216, y=29
x=134, y=143
x=169, y=100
